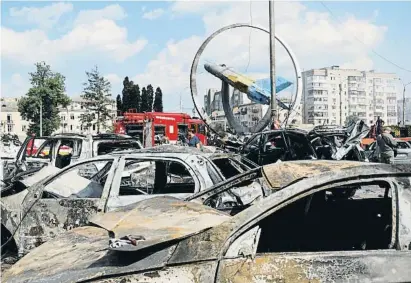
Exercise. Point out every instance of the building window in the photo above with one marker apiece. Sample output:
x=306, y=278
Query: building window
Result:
x=94, y=127
x=8, y=118
x=72, y=116
x=63, y=118
x=71, y=127
x=9, y=128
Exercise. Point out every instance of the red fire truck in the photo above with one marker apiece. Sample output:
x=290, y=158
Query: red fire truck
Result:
x=146, y=126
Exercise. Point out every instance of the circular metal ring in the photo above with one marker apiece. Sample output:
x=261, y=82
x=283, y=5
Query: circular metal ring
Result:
x=267, y=117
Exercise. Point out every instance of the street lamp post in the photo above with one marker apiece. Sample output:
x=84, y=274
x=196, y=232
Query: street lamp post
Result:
x=403, y=103
x=41, y=117
x=403, y=100
x=272, y=59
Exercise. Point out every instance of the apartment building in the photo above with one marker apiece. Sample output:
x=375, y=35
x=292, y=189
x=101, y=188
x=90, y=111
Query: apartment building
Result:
x=332, y=94
x=70, y=121
x=12, y=122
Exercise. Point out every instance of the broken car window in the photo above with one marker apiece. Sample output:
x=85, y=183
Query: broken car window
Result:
x=107, y=147
x=227, y=168
x=85, y=180
x=155, y=177
x=300, y=146
x=345, y=218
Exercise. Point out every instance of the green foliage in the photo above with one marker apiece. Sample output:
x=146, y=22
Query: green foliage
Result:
x=134, y=96
x=150, y=98
x=47, y=90
x=96, y=96
x=158, y=101
x=144, y=101
x=126, y=94
x=131, y=95
x=119, y=103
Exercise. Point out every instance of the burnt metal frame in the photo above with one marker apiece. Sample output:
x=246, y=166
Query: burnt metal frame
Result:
x=233, y=122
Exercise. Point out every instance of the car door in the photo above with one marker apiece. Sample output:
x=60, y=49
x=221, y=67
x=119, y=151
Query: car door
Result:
x=137, y=179
x=341, y=232
x=251, y=149
x=274, y=147
x=35, y=153
x=65, y=201
x=403, y=153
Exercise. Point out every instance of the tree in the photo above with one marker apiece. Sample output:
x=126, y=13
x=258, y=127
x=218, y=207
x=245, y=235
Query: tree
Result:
x=126, y=94
x=119, y=103
x=136, y=90
x=144, y=100
x=134, y=96
x=150, y=97
x=47, y=90
x=97, y=96
x=158, y=101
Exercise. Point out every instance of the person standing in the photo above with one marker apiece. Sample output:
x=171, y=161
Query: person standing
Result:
x=193, y=140
x=386, y=145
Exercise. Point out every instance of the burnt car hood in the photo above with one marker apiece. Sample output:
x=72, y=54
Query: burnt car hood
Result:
x=83, y=253
x=158, y=220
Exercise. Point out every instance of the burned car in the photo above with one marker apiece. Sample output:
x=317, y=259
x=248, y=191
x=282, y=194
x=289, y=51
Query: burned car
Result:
x=285, y=144
x=352, y=222
x=334, y=142
x=61, y=150
x=403, y=152
x=68, y=198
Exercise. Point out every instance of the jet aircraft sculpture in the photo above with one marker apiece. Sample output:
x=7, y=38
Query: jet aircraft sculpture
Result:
x=258, y=91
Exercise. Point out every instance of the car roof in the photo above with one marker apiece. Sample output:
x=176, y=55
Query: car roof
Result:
x=172, y=150
x=281, y=174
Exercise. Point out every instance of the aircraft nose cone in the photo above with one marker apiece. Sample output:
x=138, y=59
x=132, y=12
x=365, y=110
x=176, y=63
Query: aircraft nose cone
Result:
x=214, y=69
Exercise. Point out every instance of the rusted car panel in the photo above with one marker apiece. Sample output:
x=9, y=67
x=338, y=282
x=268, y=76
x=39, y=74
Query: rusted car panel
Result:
x=48, y=218
x=84, y=249
x=281, y=174
x=65, y=200
x=230, y=251
x=314, y=267
x=159, y=220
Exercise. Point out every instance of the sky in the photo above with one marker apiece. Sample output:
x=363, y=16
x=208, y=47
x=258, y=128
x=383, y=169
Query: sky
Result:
x=155, y=42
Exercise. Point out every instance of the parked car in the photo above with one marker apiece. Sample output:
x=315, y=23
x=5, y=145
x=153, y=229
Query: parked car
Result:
x=61, y=150
x=69, y=197
x=403, y=152
x=270, y=146
x=334, y=142
x=348, y=223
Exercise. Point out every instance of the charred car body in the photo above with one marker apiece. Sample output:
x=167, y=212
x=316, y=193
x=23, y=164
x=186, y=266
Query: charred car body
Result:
x=345, y=221
x=68, y=198
x=339, y=143
x=38, y=152
x=270, y=146
x=403, y=152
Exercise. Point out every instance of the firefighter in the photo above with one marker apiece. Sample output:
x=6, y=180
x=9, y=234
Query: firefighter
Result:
x=193, y=140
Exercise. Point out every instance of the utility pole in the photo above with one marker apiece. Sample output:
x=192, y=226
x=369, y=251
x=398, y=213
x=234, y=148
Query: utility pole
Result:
x=272, y=59
x=41, y=116
x=340, y=86
x=181, y=103
x=403, y=104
